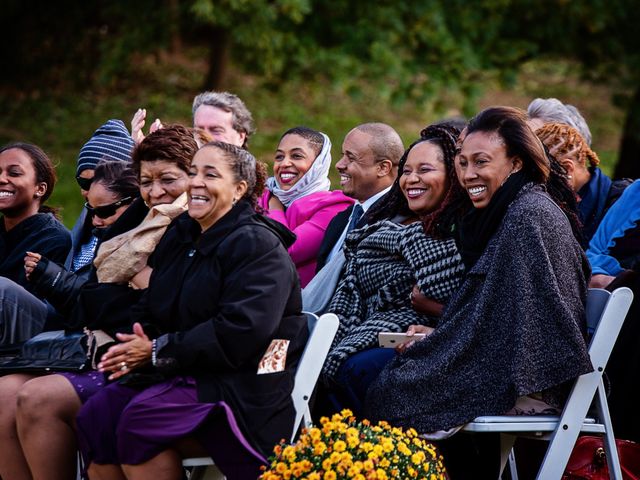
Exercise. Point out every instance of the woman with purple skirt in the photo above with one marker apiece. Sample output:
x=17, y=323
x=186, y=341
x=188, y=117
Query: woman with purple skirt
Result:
x=209, y=367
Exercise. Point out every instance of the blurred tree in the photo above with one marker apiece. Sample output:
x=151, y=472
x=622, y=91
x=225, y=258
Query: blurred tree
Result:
x=418, y=49
x=71, y=44
x=403, y=51
x=602, y=36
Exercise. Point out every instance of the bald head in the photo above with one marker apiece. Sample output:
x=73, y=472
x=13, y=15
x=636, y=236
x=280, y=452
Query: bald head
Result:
x=385, y=142
x=369, y=163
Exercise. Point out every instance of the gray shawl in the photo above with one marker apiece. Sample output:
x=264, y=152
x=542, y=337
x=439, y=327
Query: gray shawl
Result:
x=383, y=263
x=514, y=328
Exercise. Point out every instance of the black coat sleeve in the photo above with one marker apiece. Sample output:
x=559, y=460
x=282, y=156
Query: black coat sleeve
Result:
x=257, y=278
x=57, y=285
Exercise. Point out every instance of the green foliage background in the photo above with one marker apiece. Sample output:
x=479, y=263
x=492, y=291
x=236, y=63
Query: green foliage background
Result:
x=330, y=65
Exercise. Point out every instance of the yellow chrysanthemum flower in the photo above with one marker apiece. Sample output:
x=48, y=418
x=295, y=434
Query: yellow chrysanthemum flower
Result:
x=330, y=475
x=340, y=446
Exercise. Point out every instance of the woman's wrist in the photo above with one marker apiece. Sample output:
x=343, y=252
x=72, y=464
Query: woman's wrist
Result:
x=154, y=352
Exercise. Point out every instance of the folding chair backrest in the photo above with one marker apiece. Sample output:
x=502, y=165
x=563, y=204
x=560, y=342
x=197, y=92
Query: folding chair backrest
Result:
x=605, y=315
x=606, y=312
x=321, y=333
x=597, y=299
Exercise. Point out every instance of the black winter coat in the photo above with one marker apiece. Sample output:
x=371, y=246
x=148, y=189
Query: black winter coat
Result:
x=220, y=297
x=61, y=287
x=40, y=233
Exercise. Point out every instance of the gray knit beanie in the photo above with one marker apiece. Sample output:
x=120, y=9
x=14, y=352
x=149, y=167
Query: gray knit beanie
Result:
x=111, y=141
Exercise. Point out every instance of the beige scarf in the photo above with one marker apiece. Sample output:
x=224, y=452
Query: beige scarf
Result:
x=121, y=258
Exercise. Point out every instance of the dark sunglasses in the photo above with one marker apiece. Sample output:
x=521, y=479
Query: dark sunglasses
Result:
x=84, y=183
x=105, y=211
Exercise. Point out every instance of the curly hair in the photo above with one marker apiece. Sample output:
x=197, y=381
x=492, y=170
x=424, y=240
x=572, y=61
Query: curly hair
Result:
x=552, y=110
x=559, y=189
x=173, y=143
x=564, y=141
x=438, y=223
x=244, y=167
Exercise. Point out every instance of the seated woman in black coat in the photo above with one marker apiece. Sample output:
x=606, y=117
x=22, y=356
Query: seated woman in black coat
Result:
x=223, y=293
x=27, y=178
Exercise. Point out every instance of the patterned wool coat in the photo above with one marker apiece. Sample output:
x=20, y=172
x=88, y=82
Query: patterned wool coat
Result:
x=383, y=263
x=514, y=328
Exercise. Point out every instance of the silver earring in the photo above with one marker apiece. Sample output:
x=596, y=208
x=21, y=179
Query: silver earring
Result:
x=235, y=200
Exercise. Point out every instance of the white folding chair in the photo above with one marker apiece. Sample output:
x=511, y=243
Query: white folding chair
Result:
x=321, y=333
x=605, y=315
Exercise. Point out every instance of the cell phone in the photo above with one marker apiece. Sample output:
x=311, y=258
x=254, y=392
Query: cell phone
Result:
x=393, y=339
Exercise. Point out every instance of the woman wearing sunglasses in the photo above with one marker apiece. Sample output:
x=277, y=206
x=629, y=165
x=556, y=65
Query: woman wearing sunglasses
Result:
x=113, y=190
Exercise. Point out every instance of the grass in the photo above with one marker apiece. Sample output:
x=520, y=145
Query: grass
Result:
x=60, y=123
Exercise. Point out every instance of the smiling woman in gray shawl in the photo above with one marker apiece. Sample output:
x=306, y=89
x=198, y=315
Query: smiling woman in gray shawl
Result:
x=515, y=328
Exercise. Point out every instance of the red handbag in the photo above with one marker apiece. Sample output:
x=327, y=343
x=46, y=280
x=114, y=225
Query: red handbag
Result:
x=588, y=460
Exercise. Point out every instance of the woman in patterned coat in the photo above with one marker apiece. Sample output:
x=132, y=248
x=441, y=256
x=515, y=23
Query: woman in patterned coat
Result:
x=386, y=259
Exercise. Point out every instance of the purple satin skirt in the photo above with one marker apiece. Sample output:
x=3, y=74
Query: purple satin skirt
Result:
x=124, y=425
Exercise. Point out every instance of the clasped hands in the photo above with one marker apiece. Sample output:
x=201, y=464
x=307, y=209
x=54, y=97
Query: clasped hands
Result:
x=134, y=351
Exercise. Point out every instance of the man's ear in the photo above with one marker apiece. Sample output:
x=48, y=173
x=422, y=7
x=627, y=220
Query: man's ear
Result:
x=385, y=167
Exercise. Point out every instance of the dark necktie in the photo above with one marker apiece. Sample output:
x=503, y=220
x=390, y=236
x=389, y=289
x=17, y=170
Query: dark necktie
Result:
x=356, y=215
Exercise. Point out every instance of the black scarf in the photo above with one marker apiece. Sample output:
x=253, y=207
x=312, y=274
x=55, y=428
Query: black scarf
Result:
x=479, y=225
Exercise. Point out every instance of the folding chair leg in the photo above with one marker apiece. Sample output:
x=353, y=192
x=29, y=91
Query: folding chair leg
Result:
x=513, y=468
x=506, y=450
x=613, y=461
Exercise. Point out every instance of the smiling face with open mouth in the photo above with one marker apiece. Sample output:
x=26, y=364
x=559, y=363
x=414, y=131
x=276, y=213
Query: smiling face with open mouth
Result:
x=483, y=166
x=20, y=193
x=212, y=189
x=293, y=159
x=423, y=178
